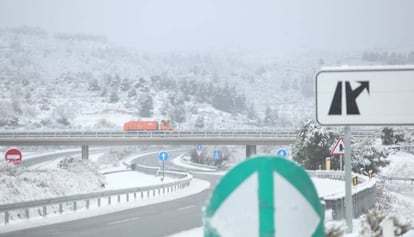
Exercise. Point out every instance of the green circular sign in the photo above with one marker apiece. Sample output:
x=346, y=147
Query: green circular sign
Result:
x=268, y=196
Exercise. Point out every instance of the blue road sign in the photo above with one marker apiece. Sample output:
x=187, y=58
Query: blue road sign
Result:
x=163, y=155
x=217, y=154
x=199, y=147
x=281, y=152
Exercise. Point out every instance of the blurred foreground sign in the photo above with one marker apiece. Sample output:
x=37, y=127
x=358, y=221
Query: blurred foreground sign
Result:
x=365, y=95
x=264, y=196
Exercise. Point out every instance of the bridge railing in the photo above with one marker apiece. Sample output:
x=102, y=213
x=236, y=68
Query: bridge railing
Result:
x=74, y=201
x=178, y=133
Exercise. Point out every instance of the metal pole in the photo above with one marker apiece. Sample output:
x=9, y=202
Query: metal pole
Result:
x=341, y=158
x=348, y=179
x=163, y=171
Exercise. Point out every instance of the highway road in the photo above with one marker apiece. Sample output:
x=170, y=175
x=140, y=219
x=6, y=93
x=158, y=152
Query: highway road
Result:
x=53, y=156
x=156, y=220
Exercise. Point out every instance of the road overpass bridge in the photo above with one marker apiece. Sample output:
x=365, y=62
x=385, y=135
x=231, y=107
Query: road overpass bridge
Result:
x=86, y=138
x=248, y=138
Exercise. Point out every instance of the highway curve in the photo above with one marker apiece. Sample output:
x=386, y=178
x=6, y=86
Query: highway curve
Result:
x=156, y=220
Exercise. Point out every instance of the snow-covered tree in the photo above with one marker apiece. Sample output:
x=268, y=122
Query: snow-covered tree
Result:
x=64, y=113
x=271, y=117
x=147, y=107
x=207, y=156
x=132, y=93
x=177, y=113
x=113, y=97
x=144, y=103
x=125, y=84
x=387, y=136
x=251, y=112
x=199, y=124
x=8, y=115
x=313, y=144
x=368, y=155
x=93, y=85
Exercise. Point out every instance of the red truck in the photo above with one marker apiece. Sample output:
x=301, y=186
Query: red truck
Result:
x=165, y=125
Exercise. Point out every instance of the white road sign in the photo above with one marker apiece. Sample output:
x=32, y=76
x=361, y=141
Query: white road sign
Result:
x=365, y=96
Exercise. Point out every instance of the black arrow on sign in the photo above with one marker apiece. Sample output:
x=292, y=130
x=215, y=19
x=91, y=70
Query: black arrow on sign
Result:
x=336, y=105
x=351, y=95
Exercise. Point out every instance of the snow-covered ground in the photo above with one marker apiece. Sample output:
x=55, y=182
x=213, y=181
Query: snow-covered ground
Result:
x=116, y=180
x=195, y=187
x=49, y=179
x=400, y=195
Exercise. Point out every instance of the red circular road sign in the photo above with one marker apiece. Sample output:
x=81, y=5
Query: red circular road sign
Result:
x=14, y=156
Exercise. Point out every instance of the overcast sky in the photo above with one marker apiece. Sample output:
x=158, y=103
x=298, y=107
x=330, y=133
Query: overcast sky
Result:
x=224, y=24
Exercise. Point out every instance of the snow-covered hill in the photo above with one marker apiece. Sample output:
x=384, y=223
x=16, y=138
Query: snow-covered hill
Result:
x=85, y=82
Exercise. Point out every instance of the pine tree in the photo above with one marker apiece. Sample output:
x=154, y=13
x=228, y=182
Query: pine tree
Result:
x=113, y=98
x=271, y=117
x=368, y=155
x=125, y=84
x=177, y=113
x=144, y=103
x=199, y=122
x=93, y=85
x=312, y=145
x=251, y=112
x=146, y=107
x=132, y=93
x=387, y=136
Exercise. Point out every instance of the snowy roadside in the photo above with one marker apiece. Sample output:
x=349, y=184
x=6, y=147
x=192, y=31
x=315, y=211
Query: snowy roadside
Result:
x=49, y=179
x=399, y=198
x=184, y=161
x=195, y=187
x=118, y=180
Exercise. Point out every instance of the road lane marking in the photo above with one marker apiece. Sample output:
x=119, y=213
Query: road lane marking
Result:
x=187, y=207
x=123, y=221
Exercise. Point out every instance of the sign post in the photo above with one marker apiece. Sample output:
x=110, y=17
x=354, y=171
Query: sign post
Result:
x=163, y=156
x=264, y=196
x=348, y=178
x=13, y=155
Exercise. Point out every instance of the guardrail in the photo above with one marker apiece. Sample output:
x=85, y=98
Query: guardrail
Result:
x=74, y=200
x=117, y=133
x=192, y=133
x=405, y=179
x=363, y=194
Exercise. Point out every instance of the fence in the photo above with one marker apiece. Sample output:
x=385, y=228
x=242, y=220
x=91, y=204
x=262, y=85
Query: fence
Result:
x=400, y=179
x=74, y=200
x=363, y=194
